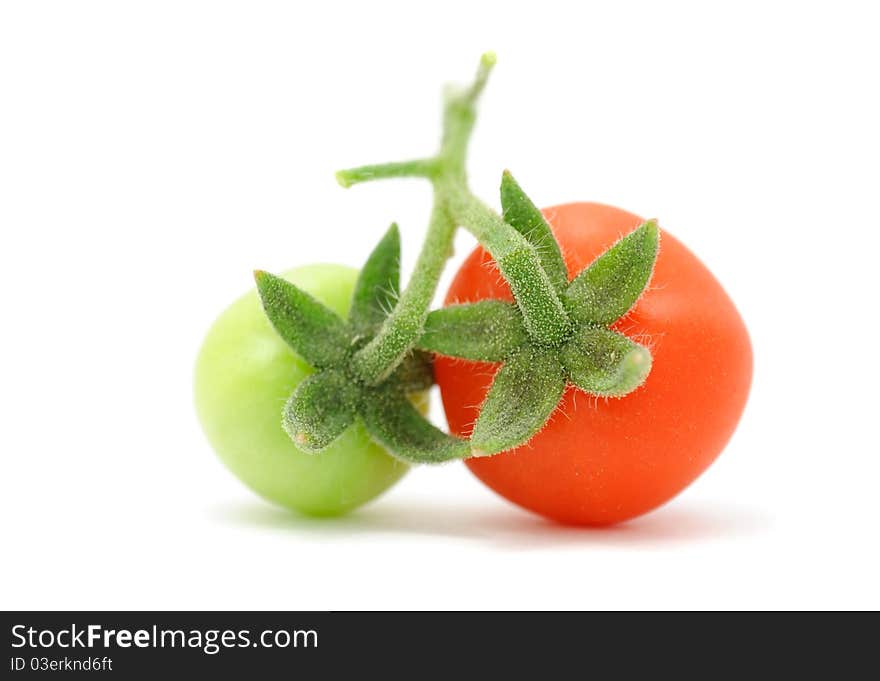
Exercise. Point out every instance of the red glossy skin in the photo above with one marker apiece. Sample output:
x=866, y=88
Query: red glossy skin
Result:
x=602, y=461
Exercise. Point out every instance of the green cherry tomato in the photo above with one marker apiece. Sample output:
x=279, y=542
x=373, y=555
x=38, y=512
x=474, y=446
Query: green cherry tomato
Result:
x=244, y=375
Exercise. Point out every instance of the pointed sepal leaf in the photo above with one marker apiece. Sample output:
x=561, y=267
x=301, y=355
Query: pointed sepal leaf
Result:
x=315, y=332
x=320, y=409
x=544, y=314
x=525, y=392
x=378, y=285
x=394, y=422
x=526, y=218
x=609, y=287
x=488, y=331
x=605, y=363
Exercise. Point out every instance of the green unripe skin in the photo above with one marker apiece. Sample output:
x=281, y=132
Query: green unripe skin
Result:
x=244, y=375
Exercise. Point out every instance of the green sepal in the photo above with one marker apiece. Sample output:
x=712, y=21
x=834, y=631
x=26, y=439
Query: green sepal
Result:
x=488, y=331
x=609, y=287
x=378, y=285
x=526, y=390
x=525, y=217
x=315, y=332
x=320, y=410
x=394, y=423
x=415, y=372
x=545, y=318
x=605, y=363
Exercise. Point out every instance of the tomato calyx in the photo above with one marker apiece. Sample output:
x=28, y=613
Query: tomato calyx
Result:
x=555, y=334
x=594, y=358
x=326, y=403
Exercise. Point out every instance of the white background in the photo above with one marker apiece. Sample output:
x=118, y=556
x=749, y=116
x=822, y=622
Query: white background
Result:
x=153, y=153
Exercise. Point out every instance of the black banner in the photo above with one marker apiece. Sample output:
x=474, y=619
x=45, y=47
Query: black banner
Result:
x=171, y=644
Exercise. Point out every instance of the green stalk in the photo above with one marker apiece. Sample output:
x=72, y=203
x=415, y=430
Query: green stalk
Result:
x=454, y=204
x=518, y=260
x=421, y=167
x=403, y=327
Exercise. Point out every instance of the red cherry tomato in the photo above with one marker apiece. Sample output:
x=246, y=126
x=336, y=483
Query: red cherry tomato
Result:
x=601, y=461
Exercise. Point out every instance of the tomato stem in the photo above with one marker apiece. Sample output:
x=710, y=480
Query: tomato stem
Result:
x=422, y=167
x=519, y=262
x=403, y=327
x=556, y=334
x=454, y=204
